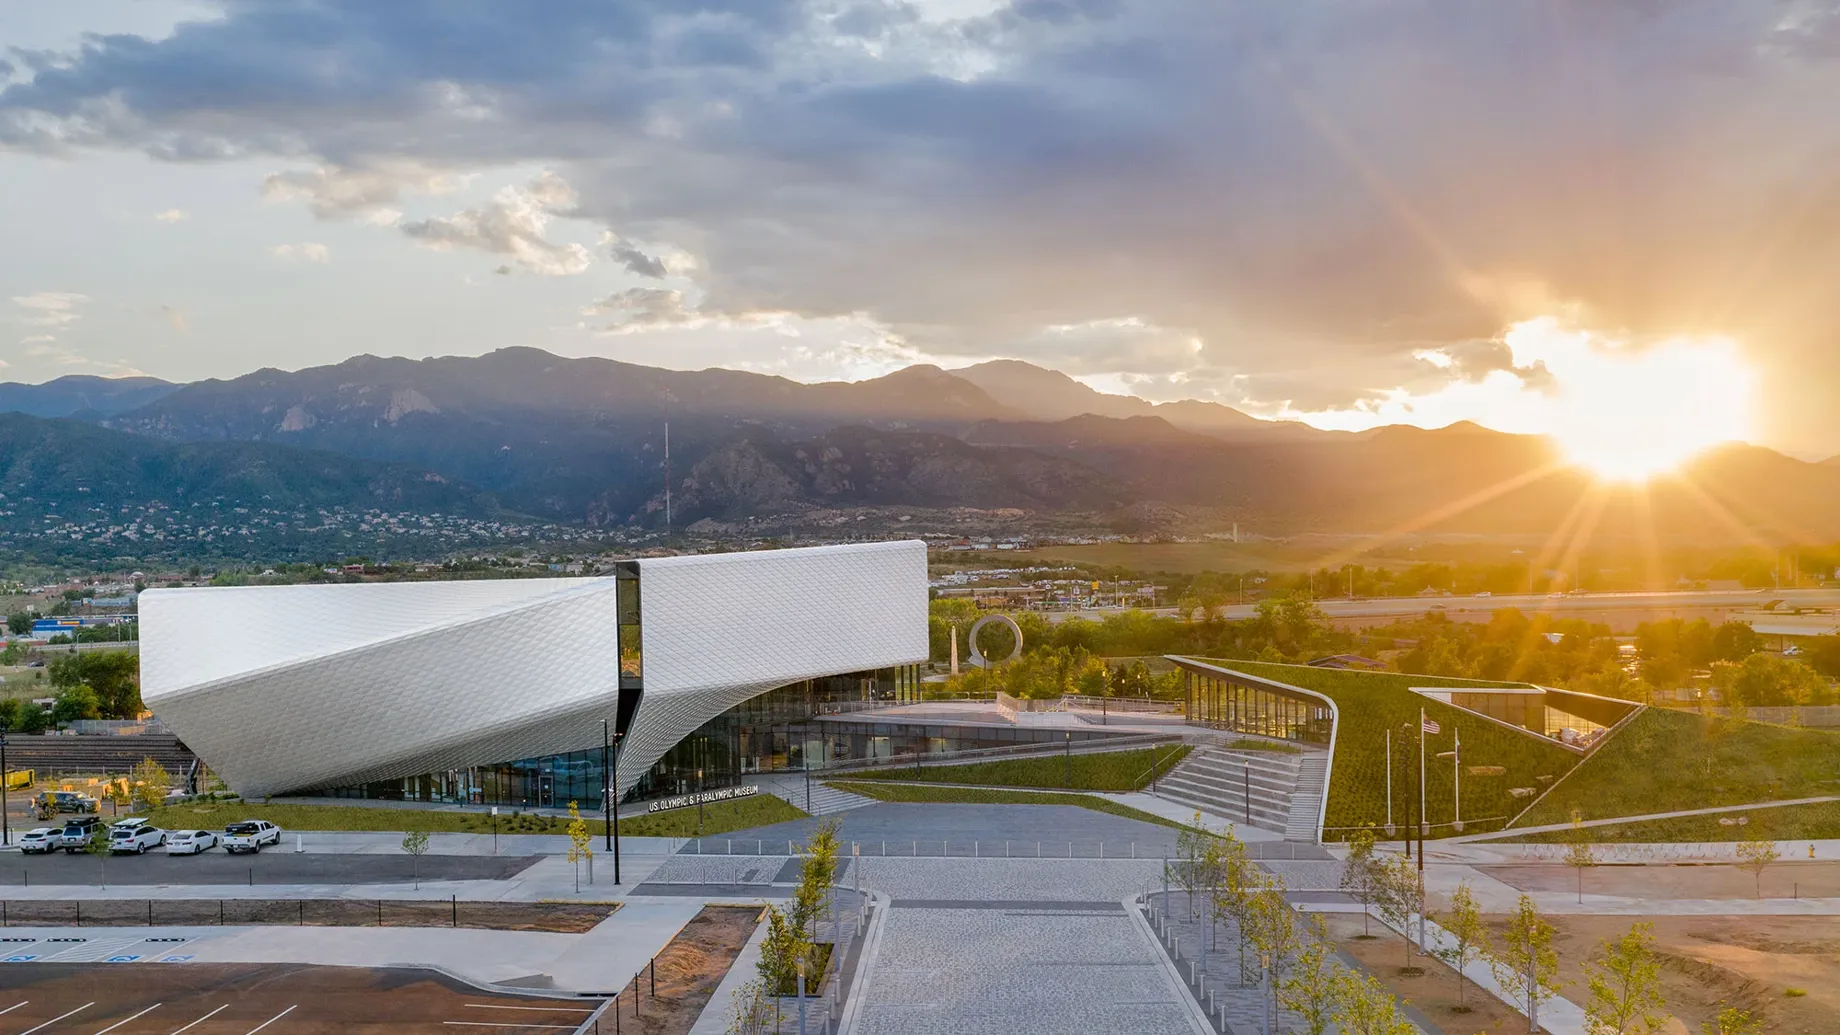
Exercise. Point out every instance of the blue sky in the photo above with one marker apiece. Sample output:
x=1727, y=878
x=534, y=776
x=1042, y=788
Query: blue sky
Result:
x=1332, y=209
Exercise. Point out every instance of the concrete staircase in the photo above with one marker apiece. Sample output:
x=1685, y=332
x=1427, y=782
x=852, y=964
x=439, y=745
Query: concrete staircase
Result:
x=825, y=799
x=1306, y=800
x=1284, y=789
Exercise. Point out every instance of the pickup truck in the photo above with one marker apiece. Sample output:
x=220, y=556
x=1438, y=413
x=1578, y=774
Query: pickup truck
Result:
x=250, y=835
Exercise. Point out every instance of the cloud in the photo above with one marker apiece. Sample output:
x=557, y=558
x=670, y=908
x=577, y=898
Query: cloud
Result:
x=53, y=309
x=638, y=262
x=1312, y=190
x=172, y=215
x=307, y=252
x=512, y=224
x=367, y=193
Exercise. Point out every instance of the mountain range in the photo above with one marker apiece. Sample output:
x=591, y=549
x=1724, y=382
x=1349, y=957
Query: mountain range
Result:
x=582, y=441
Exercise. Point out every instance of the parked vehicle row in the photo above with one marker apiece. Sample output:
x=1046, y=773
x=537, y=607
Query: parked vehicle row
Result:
x=134, y=835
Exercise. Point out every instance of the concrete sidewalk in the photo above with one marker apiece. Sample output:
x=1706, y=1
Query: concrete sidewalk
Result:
x=601, y=960
x=551, y=879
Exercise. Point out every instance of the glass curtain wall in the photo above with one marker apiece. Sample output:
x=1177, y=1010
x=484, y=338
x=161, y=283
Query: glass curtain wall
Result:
x=1220, y=702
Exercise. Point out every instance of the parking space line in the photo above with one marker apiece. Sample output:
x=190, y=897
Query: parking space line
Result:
x=16, y=1006
x=119, y=1023
x=506, y=1024
x=271, y=1020
x=538, y=1009
x=203, y=1019
x=58, y=1018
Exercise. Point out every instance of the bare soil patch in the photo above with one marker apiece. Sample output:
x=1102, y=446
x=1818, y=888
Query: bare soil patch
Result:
x=1780, y=880
x=1434, y=992
x=681, y=983
x=560, y=918
x=1711, y=962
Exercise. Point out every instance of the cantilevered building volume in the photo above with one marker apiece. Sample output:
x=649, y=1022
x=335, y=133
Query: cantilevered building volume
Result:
x=492, y=691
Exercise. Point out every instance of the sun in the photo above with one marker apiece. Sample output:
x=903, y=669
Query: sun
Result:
x=1629, y=413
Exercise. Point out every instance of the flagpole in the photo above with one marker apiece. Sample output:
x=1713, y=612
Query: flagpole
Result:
x=1423, y=815
x=1456, y=777
x=1389, y=783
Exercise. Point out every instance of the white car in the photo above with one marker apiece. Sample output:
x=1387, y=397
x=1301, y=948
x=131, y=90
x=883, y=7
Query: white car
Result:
x=124, y=840
x=41, y=841
x=190, y=842
x=250, y=835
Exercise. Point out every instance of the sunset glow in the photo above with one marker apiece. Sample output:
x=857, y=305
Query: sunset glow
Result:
x=1629, y=413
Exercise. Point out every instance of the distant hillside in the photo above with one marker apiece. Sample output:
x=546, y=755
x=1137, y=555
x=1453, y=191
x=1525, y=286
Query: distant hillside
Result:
x=82, y=395
x=581, y=441
x=1049, y=395
x=69, y=466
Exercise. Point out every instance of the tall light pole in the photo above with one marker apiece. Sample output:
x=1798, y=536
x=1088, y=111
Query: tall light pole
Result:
x=607, y=788
x=699, y=803
x=6, y=827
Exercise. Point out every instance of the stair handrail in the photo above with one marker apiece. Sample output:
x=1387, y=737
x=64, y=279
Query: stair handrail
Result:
x=1151, y=772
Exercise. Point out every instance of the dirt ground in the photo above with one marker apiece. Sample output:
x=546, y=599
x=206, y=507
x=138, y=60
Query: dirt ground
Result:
x=688, y=971
x=1434, y=993
x=234, y=999
x=494, y=916
x=1780, y=880
x=1711, y=962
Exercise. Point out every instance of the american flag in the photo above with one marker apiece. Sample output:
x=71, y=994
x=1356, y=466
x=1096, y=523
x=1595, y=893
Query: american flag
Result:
x=1428, y=725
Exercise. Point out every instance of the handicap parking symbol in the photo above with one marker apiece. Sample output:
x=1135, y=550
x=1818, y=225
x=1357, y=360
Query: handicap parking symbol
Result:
x=174, y=959
x=121, y=959
x=19, y=959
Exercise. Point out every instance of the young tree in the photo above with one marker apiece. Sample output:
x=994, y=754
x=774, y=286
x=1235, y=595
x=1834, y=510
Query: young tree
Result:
x=1366, y=1008
x=1468, y=935
x=581, y=845
x=1309, y=990
x=749, y=1014
x=1271, y=927
x=150, y=781
x=1233, y=900
x=1733, y=1021
x=1756, y=853
x=780, y=952
x=1527, y=968
x=98, y=846
x=1625, y=986
x=816, y=875
x=415, y=842
x=1361, y=874
x=1189, y=870
x=1397, y=897
x=1578, y=853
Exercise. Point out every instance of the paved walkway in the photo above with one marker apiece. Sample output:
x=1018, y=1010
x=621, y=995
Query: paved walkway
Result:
x=600, y=960
x=1587, y=824
x=1056, y=950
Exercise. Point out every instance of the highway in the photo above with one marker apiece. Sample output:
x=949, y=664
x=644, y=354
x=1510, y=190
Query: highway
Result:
x=1592, y=603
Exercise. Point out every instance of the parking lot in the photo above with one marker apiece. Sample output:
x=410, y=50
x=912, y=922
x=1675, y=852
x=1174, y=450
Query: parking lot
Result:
x=242, y=999
x=278, y=865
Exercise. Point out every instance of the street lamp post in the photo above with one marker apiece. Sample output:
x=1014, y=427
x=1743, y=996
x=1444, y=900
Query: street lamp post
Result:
x=613, y=793
x=495, y=830
x=6, y=824
x=699, y=802
x=607, y=788
x=1069, y=757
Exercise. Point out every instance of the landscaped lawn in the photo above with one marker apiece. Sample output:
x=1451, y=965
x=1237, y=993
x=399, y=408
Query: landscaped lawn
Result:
x=1789, y=823
x=1108, y=771
x=987, y=796
x=719, y=817
x=1370, y=703
x=1668, y=761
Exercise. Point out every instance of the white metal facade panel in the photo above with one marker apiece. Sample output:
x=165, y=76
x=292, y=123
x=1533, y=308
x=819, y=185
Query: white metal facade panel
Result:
x=721, y=628
x=295, y=687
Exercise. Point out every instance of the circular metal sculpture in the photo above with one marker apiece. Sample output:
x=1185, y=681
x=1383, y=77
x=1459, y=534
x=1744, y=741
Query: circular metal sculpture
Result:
x=977, y=656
